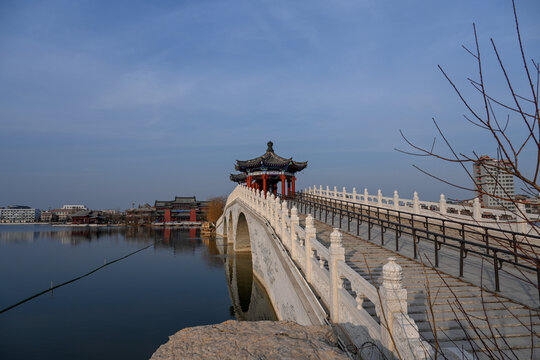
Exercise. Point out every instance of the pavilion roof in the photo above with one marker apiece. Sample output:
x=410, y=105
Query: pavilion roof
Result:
x=270, y=160
x=239, y=178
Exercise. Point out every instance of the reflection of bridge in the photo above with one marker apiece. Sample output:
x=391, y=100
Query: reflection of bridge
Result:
x=426, y=312
x=249, y=300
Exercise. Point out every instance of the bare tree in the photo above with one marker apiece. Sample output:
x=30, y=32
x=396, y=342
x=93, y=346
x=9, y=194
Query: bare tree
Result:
x=512, y=126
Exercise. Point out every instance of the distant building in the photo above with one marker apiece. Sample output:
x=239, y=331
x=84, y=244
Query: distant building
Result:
x=182, y=208
x=18, y=214
x=532, y=204
x=64, y=214
x=88, y=217
x=142, y=215
x=48, y=216
x=493, y=181
x=74, y=207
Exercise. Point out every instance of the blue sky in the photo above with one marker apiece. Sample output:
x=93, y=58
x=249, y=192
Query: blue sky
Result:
x=108, y=103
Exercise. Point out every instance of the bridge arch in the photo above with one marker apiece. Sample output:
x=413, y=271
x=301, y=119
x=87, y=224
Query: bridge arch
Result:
x=242, y=241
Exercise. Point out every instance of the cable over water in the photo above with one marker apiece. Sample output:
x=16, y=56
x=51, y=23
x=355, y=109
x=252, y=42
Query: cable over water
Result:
x=77, y=278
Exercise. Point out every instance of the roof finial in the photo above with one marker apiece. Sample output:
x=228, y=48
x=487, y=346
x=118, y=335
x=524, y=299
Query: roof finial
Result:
x=270, y=147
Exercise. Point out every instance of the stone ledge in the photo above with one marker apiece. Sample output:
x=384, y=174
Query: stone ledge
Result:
x=252, y=340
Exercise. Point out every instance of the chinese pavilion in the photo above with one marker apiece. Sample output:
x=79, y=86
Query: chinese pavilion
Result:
x=266, y=171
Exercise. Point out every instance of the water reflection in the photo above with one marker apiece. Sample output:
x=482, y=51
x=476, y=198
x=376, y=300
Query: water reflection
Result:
x=128, y=308
x=250, y=301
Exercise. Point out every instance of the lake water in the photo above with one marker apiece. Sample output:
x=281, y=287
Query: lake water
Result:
x=126, y=309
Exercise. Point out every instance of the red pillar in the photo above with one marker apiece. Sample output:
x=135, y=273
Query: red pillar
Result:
x=283, y=185
x=192, y=215
x=167, y=215
x=293, y=180
x=288, y=187
x=264, y=184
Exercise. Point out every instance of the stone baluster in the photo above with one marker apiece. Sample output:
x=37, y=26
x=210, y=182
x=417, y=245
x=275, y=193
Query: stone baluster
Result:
x=267, y=205
x=442, y=204
x=366, y=201
x=359, y=296
x=294, y=221
x=310, y=235
x=337, y=253
x=273, y=210
x=416, y=203
x=379, y=197
x=284, y=218
x=396, y=200
x=344, y=193
x=335, y=192
x=277, y=211
x=259, y=202
x=393, y=301
x=477, y=210
x=327, y=191
x=522, y=218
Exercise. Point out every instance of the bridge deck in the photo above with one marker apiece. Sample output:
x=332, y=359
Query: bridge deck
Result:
x=491, y=325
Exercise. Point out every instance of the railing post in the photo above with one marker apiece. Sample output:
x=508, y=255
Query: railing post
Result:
x=442, y=204
x=416, y=203
x=327, y=191
x=320, y=190
x=310, y=234
x=277, y=211
x=396, y=200
x=379, y=198
x=393, y=301
x=335, y=192
x=477, y=212
x=354, y=194
x=337, y=253
x=284, y=217
x=522, y=218
x=366, y=196
x=344, y=193
x=294, y=221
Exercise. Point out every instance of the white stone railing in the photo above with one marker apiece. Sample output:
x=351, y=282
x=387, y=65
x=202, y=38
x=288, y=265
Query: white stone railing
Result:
x=325, y=270
x=470, y=214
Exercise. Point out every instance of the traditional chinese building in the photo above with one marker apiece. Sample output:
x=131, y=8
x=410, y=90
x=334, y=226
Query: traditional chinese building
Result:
x=267, y=171
x=182, y=208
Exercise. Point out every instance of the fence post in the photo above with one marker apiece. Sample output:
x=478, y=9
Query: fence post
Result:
x=442, y=204
x=327, y=191
x=344, y=193
x=379, y=198
x=320, y=190
x=335, y=192
x=393, y=301
x=477, y=213
x=416, y=203
x=396, y=200
x=294, y=221
x=337, y=253
x=310, y=234
x=277, y=213
x=354, y=194
x=284, y=216
x=366, y=196
x=522, y=218
x=259, y=202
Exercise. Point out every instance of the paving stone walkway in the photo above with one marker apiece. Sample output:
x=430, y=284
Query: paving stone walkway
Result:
x=450, y=311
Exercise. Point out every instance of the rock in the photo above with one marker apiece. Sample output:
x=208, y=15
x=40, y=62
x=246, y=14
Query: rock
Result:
x=252, y=340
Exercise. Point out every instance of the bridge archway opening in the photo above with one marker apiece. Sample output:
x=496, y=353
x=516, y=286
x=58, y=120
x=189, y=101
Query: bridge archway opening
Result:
x=242, y=242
